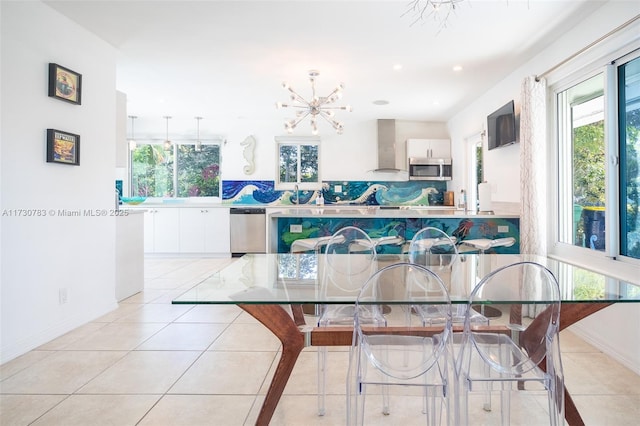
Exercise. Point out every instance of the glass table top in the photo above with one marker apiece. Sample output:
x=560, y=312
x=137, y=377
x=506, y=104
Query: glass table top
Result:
x=293, y=279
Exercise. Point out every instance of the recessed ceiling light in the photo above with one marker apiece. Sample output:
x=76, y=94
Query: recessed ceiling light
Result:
x=397, y=67
x=457, y=68
x=381, y=102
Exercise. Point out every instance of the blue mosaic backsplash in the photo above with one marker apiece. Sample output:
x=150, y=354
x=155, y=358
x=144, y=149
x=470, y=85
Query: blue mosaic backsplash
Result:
x=370, y=193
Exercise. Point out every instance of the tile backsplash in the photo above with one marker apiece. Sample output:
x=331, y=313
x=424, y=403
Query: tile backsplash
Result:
x=368, y=193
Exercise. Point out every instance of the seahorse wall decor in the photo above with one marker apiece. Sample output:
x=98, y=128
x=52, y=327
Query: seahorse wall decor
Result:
x=249, y=146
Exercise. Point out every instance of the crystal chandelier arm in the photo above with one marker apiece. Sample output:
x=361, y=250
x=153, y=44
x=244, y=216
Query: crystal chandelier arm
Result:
x=336, y=124
x=293, y=123
x=296, y=95
x=333, y=96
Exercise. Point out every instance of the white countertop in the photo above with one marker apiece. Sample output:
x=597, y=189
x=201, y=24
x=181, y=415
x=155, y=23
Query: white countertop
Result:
x=331, y=210
x=376, y=212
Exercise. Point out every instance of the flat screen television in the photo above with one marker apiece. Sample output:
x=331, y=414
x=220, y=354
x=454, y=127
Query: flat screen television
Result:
x=501, y=126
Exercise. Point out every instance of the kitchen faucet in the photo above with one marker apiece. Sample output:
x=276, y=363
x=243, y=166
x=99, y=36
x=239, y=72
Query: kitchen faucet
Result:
x=297, y=200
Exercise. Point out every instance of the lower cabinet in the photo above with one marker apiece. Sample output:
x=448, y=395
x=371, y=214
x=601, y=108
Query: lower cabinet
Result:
x=188, y=230
x=204, y=230
x=161, y=230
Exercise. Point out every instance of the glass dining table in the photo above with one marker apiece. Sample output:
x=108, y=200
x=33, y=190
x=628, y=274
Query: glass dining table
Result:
x=274, y=288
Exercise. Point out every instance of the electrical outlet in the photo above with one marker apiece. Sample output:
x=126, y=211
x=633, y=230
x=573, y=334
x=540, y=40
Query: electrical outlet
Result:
x=62, y=296
x=295, y=229
x=503, y=228
x=337, y=188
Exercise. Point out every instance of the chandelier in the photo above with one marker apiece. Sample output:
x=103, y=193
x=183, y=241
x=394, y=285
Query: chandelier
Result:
x=437, y=10
x=318, y=106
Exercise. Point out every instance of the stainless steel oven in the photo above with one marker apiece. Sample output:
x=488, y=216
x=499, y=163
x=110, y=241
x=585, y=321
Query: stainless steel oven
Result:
x=430, y=168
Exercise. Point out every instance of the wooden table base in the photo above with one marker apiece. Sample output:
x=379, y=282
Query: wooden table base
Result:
x=287, y=327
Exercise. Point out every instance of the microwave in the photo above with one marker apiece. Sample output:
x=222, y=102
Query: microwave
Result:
x=430, y=168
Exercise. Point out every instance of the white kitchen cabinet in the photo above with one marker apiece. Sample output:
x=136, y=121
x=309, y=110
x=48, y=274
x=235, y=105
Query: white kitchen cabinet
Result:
x=161, y=230
x=429, y=148
x=204, y=230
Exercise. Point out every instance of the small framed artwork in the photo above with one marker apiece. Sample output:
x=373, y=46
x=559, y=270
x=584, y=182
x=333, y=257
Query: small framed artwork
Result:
x=63, y=147
x=65, y=84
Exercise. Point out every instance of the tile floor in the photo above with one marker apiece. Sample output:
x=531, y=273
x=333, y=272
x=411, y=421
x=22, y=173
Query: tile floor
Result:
x=152, y=363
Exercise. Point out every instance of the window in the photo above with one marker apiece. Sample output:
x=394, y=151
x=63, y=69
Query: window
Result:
x=582, y=159
x=182, y=171
x=629, y=117
x=298, y=163
x=598, y=153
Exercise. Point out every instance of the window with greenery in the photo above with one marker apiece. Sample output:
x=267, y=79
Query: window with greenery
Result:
x=598, y=162
x=181, y=171
x=629, y=117
x=298, y=163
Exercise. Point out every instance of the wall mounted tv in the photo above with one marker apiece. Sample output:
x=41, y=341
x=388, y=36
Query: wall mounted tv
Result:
x=501, y=126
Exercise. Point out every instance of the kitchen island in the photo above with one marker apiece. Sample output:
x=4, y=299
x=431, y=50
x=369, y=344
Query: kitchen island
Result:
x=290, y=224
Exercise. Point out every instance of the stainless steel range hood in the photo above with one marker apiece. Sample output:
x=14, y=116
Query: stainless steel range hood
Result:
x=391, y=153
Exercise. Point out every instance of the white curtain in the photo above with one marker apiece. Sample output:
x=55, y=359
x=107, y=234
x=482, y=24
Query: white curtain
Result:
x=533, y=167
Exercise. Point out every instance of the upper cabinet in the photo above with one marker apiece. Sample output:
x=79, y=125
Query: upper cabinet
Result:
x=429, y=148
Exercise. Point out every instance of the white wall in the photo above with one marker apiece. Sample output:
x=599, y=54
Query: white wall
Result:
x=350, y=156
x=615, y=330
x=43, y=254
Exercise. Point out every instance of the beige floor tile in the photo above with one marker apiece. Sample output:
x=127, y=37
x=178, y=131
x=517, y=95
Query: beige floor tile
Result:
x=225, y=373
x=65, y=340
x=117, y=336
x=122, y=310
x=156, y=313
x=302, y=410
x=163, y=283
x=145, y=296
x=597, y=374
x=246, y=337
x=99, y=410
x=304, y=378
x=23, y=361
x=184, y=337
x=61, y=373
x=169, y=296
x=211, y=314
x=142, y=372
x=18, y=410
x=200, y=410
x=609, y=410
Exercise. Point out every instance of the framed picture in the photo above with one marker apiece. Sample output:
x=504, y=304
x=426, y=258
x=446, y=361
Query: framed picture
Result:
x=63, y=147
x=65, y=84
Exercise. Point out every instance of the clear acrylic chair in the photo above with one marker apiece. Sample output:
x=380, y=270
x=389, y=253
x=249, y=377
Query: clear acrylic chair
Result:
x=395, y=353
x=434, y=249
x=349, y=261
x=529, y=296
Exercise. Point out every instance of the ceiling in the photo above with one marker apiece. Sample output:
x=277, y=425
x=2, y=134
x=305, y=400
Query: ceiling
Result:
x=225, y=61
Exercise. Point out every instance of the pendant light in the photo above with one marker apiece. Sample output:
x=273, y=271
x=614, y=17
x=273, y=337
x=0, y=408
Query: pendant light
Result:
x=132, y=141
x=167, y=142
x=198, y=147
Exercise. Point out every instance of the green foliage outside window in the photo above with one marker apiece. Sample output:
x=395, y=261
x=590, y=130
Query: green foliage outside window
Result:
x=198, y=171
x=632, y=178
x=154, y=171
x=588, y=165
x=151, y=171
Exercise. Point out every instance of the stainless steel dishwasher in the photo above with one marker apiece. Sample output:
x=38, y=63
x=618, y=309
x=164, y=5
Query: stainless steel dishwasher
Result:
x=248, y=230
